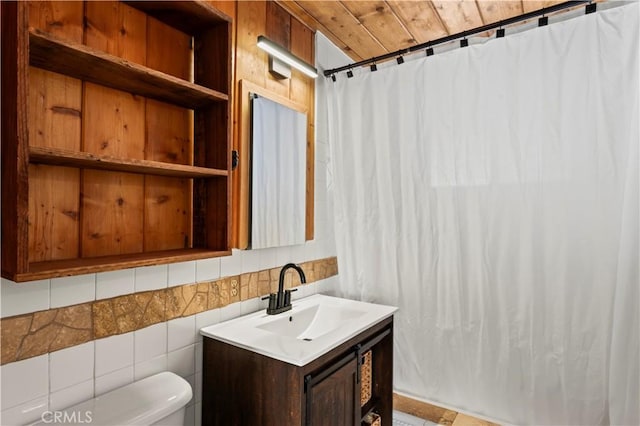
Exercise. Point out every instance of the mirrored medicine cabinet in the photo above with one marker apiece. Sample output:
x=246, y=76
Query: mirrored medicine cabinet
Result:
x=276, y=153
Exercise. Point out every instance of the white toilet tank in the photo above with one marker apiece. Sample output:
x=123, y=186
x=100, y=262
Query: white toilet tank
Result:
x=157, y=400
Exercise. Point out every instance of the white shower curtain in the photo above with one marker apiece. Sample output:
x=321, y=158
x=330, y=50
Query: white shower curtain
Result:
x=491, y=193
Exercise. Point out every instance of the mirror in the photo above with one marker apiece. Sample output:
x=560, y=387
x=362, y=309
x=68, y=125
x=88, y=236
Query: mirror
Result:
x=241, y=182
x=277, y=207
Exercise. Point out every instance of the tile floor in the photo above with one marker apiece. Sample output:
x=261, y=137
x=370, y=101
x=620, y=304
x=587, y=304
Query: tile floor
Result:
x=435, y=414
x=404, y=419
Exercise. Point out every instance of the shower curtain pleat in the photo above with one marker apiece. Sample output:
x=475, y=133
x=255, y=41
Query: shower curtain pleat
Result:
x=491, y=193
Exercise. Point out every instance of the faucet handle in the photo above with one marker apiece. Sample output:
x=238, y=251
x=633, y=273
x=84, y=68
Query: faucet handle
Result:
x=272, y=301
x=287, y=296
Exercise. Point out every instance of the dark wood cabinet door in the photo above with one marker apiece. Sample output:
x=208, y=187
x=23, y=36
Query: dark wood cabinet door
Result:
x=332, y=395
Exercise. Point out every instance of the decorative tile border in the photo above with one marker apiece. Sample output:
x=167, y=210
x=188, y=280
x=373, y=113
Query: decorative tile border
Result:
x=30, y=335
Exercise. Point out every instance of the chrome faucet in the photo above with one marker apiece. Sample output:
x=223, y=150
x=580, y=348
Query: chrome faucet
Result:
x=281, y=301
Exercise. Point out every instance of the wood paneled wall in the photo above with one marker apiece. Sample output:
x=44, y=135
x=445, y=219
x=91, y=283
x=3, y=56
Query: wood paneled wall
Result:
x=251, y=19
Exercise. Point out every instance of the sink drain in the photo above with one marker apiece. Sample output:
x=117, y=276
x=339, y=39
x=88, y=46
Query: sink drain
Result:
x=306, y=339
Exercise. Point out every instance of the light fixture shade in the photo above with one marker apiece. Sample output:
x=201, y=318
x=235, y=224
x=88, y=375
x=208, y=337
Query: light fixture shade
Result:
x=285, y=56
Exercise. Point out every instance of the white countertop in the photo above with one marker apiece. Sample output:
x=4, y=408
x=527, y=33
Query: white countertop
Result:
x=328, y=321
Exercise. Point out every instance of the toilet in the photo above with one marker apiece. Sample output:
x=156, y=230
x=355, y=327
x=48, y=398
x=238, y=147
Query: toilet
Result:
x=156, y=400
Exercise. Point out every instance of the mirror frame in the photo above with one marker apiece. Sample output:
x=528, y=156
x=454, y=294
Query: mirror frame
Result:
x=241, y=177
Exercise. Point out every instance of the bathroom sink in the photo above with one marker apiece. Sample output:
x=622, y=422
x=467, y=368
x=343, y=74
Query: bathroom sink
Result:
x=313, y=326
x=313, y=322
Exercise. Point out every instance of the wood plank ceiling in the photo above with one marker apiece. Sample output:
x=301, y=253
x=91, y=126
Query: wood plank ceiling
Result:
x=364, y=28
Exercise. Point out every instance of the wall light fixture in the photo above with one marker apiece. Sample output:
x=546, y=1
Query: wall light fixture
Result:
x=281, y=60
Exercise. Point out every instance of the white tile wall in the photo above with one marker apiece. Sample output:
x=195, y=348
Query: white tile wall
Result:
x=198, y=419
x=268, y=258
x=299, y=254
x=16, y=299
x=182, y=332
x=72, y=395
x=192, y=382
x=72, y=290
x=114, y=353
x=114, y=380
x=24, y=381
x=207, y=269
x=182, y=361
x=150, y=342
x=250, y=305
x=115, y=283
x=25, y=413
x=71, y=366
x=231, y=265
x=199, y=355
x=150, y=367
x=151, y=277
x=283, y=254
x=230, y=311
x=190, y=415
x=198, y=389
x=328, y=286
x=300, y=293
x=182, y=273
x=251, y=259
x=207, y=318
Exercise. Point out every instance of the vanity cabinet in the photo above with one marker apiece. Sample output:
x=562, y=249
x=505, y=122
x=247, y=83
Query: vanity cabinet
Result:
x=241, y=387
x=115, y=135
x=332, y=395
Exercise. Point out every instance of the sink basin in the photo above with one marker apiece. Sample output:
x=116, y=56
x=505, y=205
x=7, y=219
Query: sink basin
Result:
x=313, y=326
x=313, y=322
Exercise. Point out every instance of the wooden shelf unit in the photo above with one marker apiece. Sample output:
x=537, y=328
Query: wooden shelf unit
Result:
x=41, y=178
x=82, y=62
x=86, y=160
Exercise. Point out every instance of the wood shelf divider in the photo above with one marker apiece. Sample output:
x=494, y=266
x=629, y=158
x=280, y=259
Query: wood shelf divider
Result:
x=187, y=16
x=369, y=407
x=66, y=158
x=85, y=63
x=61, y=268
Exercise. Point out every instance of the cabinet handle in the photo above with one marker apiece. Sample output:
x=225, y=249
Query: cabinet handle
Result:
x=358, y=348
x=307, y=391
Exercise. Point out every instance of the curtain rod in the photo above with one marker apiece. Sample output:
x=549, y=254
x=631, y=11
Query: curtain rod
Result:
x=463, y=34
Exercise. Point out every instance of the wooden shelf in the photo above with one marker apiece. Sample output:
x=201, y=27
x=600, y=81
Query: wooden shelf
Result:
x=82, y=62
x=369, y=406
x=193, y=219
x=188, y=16
x=62, y=157
x=62, y=268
